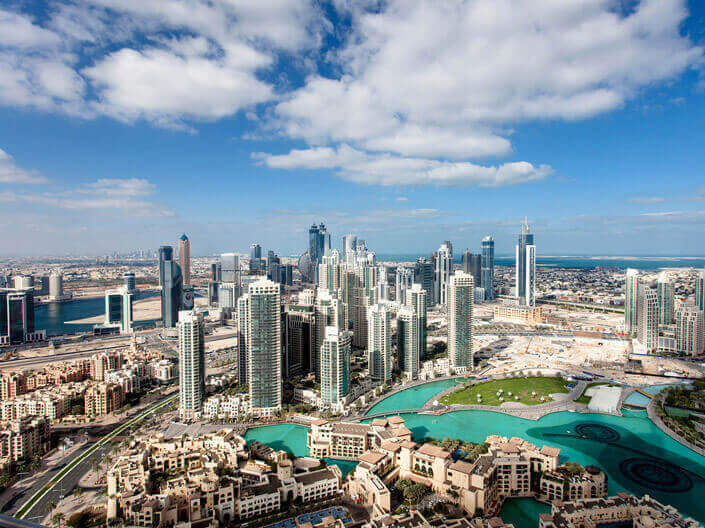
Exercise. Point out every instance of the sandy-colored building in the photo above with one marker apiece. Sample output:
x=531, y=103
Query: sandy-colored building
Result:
x=524, y=315
x=23, y=439
x=642, y=512
x=103, y=398
x=211, y=479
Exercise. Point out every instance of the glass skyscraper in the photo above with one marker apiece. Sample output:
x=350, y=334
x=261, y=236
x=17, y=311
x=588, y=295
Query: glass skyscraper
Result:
x=526, y=267
x=487, y=271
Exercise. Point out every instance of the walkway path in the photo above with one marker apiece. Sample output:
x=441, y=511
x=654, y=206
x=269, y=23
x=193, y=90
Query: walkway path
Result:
x=561, y=402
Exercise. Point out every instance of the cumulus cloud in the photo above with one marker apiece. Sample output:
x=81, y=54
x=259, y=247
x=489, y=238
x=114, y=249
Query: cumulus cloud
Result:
x=387, y=169
x=11, y=173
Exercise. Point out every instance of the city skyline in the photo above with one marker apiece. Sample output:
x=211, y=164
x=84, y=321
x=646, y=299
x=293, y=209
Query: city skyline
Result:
x=125, y=124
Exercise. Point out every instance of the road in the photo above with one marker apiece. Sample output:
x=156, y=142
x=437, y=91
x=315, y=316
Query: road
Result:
x=33, y=503
x=24, y=363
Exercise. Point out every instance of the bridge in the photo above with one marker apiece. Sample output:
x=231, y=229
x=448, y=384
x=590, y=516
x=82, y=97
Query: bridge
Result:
x=650, y=396
x=380, y=415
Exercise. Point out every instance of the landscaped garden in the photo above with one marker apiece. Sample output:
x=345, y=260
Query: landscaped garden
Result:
x=527, y=390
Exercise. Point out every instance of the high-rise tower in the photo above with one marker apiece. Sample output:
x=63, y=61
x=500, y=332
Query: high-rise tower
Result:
x=172, y=286
x=264, y=350
x=664, y=291
x=417, y=298
x=335, y=365
x=526, y=267
x=444, y=268
x=409, y=341
x=379, y=343
x=700, y=290
x=487, y=271
x=185, y=258
x=647, y=318
x=631, y=302
x=461, y=298
x=192, y=364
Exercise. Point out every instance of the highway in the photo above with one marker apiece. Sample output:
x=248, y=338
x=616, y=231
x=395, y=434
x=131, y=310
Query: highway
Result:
x=33, y=503
x=25, y=363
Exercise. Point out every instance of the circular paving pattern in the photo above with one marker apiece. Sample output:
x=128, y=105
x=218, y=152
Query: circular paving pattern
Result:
x=595, y=431
x=656, y=475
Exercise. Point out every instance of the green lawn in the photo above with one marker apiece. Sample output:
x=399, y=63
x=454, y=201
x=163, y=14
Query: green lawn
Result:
x=586, y=399
x=522, y=387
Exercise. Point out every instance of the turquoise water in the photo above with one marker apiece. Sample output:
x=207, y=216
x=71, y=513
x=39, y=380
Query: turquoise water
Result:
x=628, y=448
x=414, y=397
x=291, y=438
x=636, y=398
x=523, y=513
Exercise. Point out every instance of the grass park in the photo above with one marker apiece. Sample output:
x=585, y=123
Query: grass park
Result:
x=528, y=390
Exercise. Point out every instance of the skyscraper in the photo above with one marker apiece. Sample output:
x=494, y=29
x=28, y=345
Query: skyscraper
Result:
x=166, y=254
x=461, y=298
x=647, y=327
x=700, y=290
x=255, y=258
x=243, y=326
x=329, y=311
x=487, y=270
x=192, y=364
x=335, y=365
x=17, y=317
x=349, y=249
x=631, y=302
x=690, y=330
x=264, y=350
x=417, y=298
x=229, y=268
x=664, y=292
x=118, y=310
x=526, y=267
x=444, y=268
x=185, y=258
x=319, y=242
x=172, y=286
x=299, y=336
x=472, y=264
x=379, y=343
x=423, y=275
x=404, y=280
x=409, y=341
x=329, y=271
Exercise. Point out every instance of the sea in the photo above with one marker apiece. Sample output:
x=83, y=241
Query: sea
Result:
x=578, y=262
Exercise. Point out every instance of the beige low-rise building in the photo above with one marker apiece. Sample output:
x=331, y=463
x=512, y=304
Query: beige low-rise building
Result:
x=573, y=484
x=509, y=467
x=23, y=440
x=518, y=314
x=103, y=398
x=211, y=478
x=348, y=441
x=642, y=512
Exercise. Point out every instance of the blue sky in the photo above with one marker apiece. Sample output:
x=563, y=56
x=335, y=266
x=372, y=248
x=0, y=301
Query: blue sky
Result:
x=124, y=123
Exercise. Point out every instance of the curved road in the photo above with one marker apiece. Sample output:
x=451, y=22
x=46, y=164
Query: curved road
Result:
x=33, y=503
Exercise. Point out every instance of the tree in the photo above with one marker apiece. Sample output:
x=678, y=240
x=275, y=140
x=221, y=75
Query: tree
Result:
x=57, y=518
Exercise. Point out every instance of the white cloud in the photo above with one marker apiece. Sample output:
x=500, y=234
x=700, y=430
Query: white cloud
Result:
x=444, y=79
x=20, y=31
x=646, y=199
x=386, y=169
x=169, y=85
x=126, y=196
x=11, y=173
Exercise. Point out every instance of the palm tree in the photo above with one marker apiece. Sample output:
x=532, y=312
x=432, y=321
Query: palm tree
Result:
x=58, y=517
